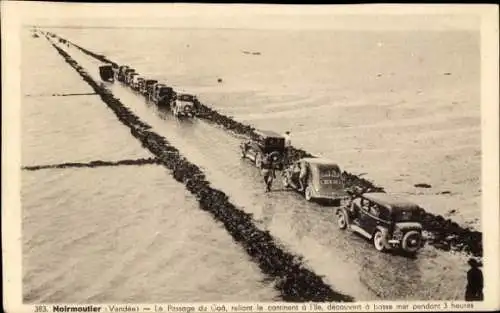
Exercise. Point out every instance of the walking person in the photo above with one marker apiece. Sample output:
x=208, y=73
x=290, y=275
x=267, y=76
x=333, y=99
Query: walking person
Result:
x=268, y=170
x=474, y=289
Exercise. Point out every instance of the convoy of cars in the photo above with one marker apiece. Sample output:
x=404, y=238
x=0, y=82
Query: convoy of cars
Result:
x=387, y=220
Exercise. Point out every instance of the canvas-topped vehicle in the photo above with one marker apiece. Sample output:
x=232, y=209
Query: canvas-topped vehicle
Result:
x=265, y=143
x=316, y=179
x=106, y=72
x=184, y=105
x=389, y=221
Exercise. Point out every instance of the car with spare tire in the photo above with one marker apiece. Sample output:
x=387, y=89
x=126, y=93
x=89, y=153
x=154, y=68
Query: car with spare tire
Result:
x=389, y=221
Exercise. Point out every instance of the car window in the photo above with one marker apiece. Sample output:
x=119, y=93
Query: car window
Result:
x=374, y=210
x=365, y=205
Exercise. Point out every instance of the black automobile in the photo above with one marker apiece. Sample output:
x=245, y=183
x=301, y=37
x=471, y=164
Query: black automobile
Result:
x=148, y=87
x=163, y=96
x=120, y=74
x=263, y=144
x=106, y=73
x=388, y=220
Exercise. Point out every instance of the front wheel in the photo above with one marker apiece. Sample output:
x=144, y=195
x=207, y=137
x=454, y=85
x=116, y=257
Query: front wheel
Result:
x=378, y=241
x=341, y=219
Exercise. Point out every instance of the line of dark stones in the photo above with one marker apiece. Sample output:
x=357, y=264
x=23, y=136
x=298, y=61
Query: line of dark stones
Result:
x=292, y=279
x=93, y=164
x=445, y=234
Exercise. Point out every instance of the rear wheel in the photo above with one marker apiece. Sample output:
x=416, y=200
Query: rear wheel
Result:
x=411, y=242
x=308, y=193
x=378, y=241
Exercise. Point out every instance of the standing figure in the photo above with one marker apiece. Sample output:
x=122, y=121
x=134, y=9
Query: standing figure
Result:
x=268, y=170
x=288, y=148
x=474, y=289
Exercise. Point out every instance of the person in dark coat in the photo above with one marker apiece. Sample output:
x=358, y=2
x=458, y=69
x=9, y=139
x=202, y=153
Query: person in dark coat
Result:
x=474, y=289
x=268, y=169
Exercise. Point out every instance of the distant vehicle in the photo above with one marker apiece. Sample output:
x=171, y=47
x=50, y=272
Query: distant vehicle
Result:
x=163, y=96
x=130, y=78
x=120, y=74
x=153, y=91
x=141, y=83
x=135, y=82
x=388, y=220
x=184, y=105
x=127, y=75
x=265, y=143
x=323, y=179
x=148, y=86
x=106, y=73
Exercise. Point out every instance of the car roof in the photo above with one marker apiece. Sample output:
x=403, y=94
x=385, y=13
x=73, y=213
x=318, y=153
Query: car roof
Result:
x=390, y=201
x=268, y=133
x=319, y=161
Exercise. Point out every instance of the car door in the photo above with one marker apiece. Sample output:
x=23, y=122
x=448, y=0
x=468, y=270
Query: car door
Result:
x=366, y=221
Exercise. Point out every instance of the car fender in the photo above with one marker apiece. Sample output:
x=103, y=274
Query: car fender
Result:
x=385, y=233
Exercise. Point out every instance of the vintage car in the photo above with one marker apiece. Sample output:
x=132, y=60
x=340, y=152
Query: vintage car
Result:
x=148, y=86
x=322, y=181
x=184, y=105
x=163, y=96
x=128, y=75
x=153, y=91
x=135, y=82
x=141, y=83
x=131, y=77
x=264, y=143
x=120, y=74
x=389, y=221
x=106, y=73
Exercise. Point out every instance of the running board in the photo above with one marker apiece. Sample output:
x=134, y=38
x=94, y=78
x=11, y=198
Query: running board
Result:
x=360, y=230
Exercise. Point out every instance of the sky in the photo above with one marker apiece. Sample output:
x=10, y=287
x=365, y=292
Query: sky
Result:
x=355, y=17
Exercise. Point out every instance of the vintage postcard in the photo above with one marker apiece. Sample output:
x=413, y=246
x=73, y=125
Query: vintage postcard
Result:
x=249, y=158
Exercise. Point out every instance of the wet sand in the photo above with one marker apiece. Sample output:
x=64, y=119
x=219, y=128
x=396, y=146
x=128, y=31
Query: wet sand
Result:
x=306, y=229
x=401, y=107
x=111, y=234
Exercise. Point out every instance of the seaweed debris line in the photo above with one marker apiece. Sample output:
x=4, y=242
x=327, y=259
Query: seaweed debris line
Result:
x=444, y=233
x=292, y=279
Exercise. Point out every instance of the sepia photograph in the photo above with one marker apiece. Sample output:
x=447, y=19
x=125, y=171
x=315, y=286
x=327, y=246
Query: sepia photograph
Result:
x=197, y=153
